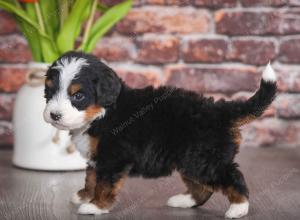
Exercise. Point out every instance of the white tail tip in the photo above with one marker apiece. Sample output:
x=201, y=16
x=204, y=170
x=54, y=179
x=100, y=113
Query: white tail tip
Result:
x=269, y=75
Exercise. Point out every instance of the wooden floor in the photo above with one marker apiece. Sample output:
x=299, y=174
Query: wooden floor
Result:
x=273, y=177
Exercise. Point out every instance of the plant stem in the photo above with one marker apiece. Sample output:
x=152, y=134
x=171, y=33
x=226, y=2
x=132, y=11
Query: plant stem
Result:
x=17, y=4
x=39, y=16
x=63, y=11
x=89, y=23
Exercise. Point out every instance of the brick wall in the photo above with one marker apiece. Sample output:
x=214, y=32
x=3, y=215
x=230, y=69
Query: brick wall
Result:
x=217, y=47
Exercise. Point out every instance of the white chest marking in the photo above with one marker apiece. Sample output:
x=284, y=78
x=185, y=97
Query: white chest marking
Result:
x=82, y=143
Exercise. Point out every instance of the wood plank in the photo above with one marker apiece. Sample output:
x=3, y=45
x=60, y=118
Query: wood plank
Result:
x=273, y=176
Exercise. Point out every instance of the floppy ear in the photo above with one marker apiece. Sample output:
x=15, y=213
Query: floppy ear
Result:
x=108, y=87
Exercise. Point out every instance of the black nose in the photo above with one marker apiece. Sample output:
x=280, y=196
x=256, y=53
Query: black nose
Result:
x=55, y=116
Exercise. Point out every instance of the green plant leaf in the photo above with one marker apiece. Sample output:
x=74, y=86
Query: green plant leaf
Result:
x=31, y=34
x=47, y=44
x=49, y=54
x=63, y=8
x=102, y=8
x=89, y=22
x=31, y=12
x=50, y=16
x=85, y=16
x=18, y=12
x=71, y=27
x=105, y=23
x=47, y=47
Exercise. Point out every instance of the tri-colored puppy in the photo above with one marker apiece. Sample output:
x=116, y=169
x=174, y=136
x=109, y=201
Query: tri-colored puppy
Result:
x=150, y=133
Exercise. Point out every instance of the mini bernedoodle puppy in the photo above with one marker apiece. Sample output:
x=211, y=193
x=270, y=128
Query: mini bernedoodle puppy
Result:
x=150, y=132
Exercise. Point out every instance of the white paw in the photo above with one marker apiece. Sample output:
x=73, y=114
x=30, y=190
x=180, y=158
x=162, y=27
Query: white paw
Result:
x=182, y=201
x=91, y=209
x=77, y=200
x=237, y=210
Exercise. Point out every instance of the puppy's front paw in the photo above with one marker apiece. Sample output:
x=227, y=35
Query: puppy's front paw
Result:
x=182, y=201
x=76, y=199
x=91, y=209
x=237, y=210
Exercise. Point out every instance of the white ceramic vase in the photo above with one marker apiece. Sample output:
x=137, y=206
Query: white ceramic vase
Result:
x=38, y=145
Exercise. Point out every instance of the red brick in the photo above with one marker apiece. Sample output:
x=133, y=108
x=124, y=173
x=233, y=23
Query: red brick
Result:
x=276, y=22
x=247, y=22
x=205, y=50
x=215, y=3
x=249, y=51
x=6, y=106
x=139, y=77
x=14, y=49
x=169, y=2
x=114, y=49
x=111, y=2
x=288, y=78
x=294, y=2
x=6, y=135
x=264, y=2
x=157, y=50
x=213, y=79
x=290, y=51
x=288, y=105
x=271, y=132
x=165, y=20
x=7, y=23
x=270, y=112
x=11, y=78
x=179, y=2
x=155, y=2
x=114, y=2
x=290, y=21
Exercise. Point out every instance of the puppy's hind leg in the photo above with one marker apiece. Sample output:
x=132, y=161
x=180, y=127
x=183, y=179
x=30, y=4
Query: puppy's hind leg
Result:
x=237, y=194
x=197, y=194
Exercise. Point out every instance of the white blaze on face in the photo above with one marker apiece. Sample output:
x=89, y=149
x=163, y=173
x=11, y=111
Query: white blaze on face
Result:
x=60, y=103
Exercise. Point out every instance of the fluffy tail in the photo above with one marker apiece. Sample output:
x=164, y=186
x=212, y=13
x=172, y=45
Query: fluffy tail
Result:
x=247, y=111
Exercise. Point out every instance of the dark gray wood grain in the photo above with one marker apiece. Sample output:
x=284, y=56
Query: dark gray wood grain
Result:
x=273, y=176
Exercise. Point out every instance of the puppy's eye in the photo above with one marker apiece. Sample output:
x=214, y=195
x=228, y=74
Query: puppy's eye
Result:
x=78, y=96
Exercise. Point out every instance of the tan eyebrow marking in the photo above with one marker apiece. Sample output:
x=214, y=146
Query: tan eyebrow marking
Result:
x=74, y=88
x=49, y=83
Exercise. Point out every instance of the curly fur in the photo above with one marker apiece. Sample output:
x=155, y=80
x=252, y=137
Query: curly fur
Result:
x=152, y=132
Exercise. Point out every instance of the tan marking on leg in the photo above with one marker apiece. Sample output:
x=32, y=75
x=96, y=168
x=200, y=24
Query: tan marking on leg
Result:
x=49, y=83
x=234, y=196
x=105, y=193
x=92, y=111
x=239, y=204
x=90, y=183
x=74, y=88
x=200, y=192
x=94, y=141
